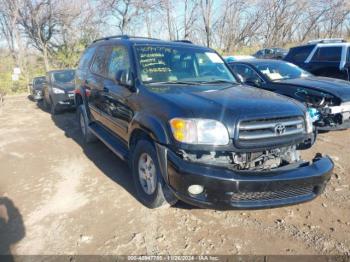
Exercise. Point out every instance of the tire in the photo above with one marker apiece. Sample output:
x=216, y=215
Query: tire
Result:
x=87, y=135
x=154, y=193
x=46, y=104
x=53, y=108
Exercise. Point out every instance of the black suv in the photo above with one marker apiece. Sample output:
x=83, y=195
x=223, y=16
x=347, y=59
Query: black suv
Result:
x=324, y=57
x=58, y=91
x=190, y=131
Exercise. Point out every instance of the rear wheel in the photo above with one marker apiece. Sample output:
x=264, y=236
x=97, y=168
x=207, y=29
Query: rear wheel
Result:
x=151, y=189
x=88, y=136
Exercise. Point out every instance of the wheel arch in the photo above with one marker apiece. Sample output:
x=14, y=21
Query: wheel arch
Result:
x=80, y=98
x=147, y=127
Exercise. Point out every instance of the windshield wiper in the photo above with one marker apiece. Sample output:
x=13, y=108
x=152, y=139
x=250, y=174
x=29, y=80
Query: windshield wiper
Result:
x=219, y=81
x=174, y=83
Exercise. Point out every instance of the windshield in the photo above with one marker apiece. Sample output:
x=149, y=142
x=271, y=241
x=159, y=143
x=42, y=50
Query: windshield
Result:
x=64, y=76
x=159, y=64
x=281, y=71
x=39, y=81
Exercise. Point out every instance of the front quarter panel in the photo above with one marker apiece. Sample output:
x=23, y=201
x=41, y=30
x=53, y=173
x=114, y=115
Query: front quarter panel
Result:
x=150, y=125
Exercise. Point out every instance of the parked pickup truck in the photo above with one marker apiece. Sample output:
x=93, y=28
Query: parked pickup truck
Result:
x=190, y=131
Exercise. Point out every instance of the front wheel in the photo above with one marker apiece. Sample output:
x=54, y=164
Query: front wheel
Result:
x=45, y=103
x=151, y=189
x=53, y=108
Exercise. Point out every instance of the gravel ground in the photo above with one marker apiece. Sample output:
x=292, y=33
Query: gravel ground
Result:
x=59, y=197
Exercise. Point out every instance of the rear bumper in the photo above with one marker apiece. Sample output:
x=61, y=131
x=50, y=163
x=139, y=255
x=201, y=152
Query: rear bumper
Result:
x=228, y=189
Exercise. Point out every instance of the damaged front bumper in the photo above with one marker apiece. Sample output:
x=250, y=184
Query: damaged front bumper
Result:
x=37, y=95
x=334, y=118
x=226, y=189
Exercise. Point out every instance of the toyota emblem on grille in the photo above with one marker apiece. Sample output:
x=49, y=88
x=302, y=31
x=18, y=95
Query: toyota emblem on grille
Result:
x=280, y=129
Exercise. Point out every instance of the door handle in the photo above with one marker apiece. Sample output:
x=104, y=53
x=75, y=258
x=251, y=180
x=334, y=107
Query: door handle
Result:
x=105, y=89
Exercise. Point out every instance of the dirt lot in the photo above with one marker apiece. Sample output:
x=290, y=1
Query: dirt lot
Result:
x=58, y=197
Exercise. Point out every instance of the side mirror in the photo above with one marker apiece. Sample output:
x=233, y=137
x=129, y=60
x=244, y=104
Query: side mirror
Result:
x=240, y=78
x=253, y=82
x=125, y=78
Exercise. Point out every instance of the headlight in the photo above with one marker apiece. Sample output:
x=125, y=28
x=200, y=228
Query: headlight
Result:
x=57, y=90
x=199, y=131
x=309, y=123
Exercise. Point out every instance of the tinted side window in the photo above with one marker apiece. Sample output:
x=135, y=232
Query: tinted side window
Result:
x=86, y=58
x=119, y=60
x=100, y=61
x=328, y=54
x=299, y=54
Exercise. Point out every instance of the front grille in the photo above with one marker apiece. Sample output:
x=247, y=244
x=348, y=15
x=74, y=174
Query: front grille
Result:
x=270, y=130
x=277, y=194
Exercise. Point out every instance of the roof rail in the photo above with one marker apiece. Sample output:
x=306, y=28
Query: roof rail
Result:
x=183, y=41
x=113, y=36
x=327, y=41
x=123, y=37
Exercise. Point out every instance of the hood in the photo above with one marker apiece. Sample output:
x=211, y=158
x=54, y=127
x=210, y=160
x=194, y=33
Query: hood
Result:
x=237, y=101
x=66, y=86
x=336, y=87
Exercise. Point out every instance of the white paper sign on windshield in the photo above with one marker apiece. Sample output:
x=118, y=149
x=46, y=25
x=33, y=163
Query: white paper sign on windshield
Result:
x=214, y=58
x=274, y=76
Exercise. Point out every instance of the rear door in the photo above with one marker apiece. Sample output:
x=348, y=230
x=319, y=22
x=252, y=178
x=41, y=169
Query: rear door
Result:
x=326, y=62
x=116, y=114
x=95, y=81
x=82, y=74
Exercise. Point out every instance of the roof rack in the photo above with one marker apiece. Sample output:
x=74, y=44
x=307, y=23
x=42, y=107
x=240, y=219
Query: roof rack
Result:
x=183, y=41
x=122, y=37
x=327, y=41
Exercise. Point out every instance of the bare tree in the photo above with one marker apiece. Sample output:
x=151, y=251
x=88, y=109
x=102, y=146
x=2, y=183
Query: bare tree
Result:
x=237, y=25
x=206, y=7
x=189, y=17
x=168, y=8
x=40, y=25
x=9, y=29
x=8, y=24
x=125, y=12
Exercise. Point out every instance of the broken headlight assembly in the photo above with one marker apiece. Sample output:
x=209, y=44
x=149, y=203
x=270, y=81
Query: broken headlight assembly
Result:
x=199, y=131
x=56, y=90
x=309, y=123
